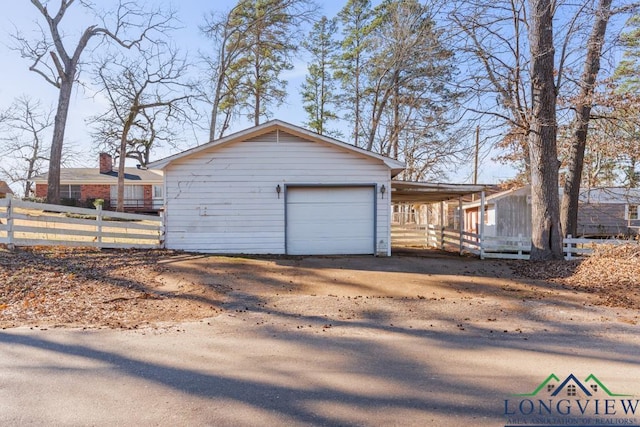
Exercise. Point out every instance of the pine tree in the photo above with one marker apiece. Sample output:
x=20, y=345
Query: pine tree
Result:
x=268, y=45
x=408, y=75
x=627, y=74
x=318, y=89
x=625, y=105
x=356, y=22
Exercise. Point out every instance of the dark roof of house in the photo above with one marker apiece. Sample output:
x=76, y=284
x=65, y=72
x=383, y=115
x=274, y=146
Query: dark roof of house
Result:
x=611, y=195
x=4, y=188
x=93, y=176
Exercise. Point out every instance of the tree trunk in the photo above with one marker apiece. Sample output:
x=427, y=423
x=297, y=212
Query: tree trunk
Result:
x=214, y=118
x=60, y=123
x=122, y=159
x=546, y=236
x=395, y=132
x=570, y=197
x=356, y=112
x=216, y=103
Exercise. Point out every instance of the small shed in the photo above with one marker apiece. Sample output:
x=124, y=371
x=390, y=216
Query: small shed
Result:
x=506, y=214
x=602, y=212
x=278, y=189
x=5, y=190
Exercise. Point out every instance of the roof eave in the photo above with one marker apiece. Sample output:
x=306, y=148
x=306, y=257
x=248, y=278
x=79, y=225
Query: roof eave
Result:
x=395, y=165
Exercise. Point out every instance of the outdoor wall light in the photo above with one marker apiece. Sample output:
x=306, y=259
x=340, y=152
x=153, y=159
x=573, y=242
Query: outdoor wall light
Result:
x=278, y=190
x=383, y=190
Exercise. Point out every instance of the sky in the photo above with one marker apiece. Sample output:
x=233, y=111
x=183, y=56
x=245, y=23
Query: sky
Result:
x=16, y=79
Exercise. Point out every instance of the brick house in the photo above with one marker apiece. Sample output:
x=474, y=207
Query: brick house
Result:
x=143, y=189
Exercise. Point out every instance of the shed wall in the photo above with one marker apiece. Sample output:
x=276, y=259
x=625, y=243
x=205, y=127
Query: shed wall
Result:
x=513, y=216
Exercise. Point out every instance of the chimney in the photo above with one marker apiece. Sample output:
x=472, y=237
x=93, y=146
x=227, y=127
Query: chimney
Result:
x=106, y=163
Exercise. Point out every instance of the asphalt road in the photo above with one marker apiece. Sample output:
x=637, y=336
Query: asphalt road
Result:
x=232, y=371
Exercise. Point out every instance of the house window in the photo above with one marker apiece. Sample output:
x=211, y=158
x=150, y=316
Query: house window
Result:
x=632, y=212
x=133, y=195
x=571, y=390
x=70, y=192
x=550, y=387
x=594, y=387
x=157, y=191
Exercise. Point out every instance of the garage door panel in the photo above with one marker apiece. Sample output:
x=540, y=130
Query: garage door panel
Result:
x=350, y=229
x=330, y=247
x=334, y=195
x=330, y=220
x=341, y=212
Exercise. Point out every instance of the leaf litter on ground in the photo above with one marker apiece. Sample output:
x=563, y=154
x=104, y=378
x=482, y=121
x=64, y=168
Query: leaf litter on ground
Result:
x=611, y=273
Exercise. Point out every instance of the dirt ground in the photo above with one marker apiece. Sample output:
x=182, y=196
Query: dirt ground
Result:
x=55, y=287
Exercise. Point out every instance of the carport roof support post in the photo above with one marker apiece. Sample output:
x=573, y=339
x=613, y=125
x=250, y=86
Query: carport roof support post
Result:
x=482, y=205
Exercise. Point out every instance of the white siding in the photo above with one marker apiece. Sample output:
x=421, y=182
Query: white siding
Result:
x=224, y=200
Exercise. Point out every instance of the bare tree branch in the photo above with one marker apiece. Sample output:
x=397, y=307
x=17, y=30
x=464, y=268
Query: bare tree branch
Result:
x=141, y=92
x=130, y=27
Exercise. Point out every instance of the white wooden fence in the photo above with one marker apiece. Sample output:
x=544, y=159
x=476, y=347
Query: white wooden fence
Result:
x=430, y=236
x=37, y=224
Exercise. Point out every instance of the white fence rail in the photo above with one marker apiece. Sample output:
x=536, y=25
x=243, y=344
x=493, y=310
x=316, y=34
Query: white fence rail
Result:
x=37, y=224
x=578, y=246
x=430, y=236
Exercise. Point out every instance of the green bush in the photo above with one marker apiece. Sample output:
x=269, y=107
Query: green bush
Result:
x=94, y=203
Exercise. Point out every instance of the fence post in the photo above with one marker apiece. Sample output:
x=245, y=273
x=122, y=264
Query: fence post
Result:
x=519, y=245
x=461, y=224
x=567, y=247
x=99, y=225
x=442, y=225
x=10, y=237
x=161, y=234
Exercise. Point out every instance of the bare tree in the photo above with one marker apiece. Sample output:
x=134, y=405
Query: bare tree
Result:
x=493, y=45
x=57, y=59
x=546, y=235
x=141, y=92
x=23, y=129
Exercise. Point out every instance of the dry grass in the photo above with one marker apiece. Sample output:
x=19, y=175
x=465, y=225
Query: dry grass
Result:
x=612, y=273
x=90, y=287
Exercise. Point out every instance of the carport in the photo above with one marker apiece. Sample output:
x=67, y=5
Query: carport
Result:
x=425, y=193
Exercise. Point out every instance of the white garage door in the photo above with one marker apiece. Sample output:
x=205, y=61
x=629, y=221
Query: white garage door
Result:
x=330, y=220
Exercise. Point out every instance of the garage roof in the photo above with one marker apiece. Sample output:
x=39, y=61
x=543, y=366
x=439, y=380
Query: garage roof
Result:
x=426, y=192
x=395, y=165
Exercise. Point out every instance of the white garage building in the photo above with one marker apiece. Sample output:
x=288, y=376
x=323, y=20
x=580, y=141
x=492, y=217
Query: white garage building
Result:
x=278, y=189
